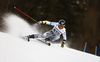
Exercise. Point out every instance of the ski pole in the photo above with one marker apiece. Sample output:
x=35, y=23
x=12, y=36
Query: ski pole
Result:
x=25, y=14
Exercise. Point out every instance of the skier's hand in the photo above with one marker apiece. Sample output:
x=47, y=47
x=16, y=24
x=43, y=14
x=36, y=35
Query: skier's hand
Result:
x=62, y=44
x=40, y=22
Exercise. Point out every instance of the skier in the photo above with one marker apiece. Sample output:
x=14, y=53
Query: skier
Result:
x=53, y=34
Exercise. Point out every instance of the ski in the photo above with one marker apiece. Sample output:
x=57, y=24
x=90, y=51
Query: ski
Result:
x=43, y=41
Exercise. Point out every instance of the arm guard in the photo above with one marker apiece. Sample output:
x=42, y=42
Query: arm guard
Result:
x=45, y=21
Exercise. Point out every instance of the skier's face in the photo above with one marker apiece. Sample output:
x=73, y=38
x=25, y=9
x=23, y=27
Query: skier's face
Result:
x=61, y=26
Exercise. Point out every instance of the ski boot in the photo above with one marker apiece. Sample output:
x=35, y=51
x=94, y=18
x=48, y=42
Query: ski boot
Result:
x=30, y=36
x=47, y=39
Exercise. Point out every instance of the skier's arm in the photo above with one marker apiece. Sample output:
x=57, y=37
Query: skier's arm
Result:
x=47, y=22
x=64, y=39
x=64, y=36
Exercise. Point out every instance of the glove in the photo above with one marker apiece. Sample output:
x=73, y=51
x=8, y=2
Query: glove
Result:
x=40, y=22
x=43, y=22
x=62, y=44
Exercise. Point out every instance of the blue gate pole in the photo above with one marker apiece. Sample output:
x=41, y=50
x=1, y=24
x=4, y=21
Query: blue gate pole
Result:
x=85, y=47
x=96, y=50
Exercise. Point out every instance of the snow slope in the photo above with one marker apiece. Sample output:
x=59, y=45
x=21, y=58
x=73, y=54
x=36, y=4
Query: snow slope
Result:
x=15, y=49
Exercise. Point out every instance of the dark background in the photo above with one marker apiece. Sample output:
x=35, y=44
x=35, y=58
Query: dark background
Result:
x=82, y=18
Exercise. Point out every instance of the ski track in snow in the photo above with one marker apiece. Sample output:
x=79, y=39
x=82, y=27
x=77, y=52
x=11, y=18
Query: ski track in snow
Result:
x=15, y=49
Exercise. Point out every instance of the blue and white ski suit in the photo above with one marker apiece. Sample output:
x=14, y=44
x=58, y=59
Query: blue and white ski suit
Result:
x=53, y=34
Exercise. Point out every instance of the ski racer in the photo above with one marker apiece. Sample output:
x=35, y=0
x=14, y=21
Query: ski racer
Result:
x=53, y=34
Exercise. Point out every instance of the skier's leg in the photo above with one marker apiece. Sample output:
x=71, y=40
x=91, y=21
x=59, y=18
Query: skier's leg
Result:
x=54, y=38
x=35, y=36
x=39, y=36
x=47, y=35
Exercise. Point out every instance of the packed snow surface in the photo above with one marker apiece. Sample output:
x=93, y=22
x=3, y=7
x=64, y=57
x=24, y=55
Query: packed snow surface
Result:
x=15, y=49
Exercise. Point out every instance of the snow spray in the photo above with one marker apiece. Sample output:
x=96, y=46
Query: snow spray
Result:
x=17, y=26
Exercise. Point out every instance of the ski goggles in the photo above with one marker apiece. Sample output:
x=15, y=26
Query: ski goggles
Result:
x=61, y=25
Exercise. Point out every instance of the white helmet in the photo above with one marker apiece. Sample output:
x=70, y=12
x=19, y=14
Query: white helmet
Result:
x=62, y=22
